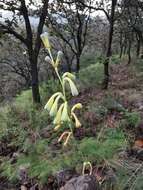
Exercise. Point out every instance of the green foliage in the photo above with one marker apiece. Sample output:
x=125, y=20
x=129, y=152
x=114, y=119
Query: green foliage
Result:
x=139, y=65
x=105, y=106
x=24, y=100
x=115, y=59
x=138, y=182
x=48, y=88
x=132, y=119
x=10, y=127
x=37, y=153
x=43, y=161
x=87, y=60
x=8, y=170
x=91, y=76
x=17, y=125
x=98, y=109
x=22, y=125
x=104, y=148
x=129, y=175
x=112, y=104
x=100, y=59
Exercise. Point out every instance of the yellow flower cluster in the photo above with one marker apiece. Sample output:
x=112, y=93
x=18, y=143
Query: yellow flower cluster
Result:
x=57, y=105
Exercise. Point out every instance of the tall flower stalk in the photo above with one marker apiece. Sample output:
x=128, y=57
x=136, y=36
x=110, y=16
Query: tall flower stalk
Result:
x=58, y=105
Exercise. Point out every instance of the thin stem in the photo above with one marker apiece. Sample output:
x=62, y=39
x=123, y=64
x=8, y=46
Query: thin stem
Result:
x=61, y=81
x=51, y=56
x=63, y=87
x=57, y=73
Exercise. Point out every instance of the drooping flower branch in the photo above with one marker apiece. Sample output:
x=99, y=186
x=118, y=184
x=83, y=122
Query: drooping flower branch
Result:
x=58, y=105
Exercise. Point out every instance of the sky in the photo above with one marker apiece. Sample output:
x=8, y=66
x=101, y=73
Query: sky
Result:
x=34, y=20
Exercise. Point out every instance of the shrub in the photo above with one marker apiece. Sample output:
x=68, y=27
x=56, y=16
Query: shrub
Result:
x=139, y=65
x=129, y=175
x=132, y=119
x=10, y=127
x=99, y=110
x=42, y=161
x=115, y=59
x=24, y=100
x=87, y=60
x=48, y=88
x=91, y=76
x=112, y=104
x=110, y=143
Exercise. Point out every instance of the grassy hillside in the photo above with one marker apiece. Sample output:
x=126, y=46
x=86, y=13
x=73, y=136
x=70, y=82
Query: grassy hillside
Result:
x=109, y=133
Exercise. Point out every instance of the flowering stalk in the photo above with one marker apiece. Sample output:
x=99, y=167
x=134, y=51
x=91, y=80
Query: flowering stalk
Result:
x=62, y=114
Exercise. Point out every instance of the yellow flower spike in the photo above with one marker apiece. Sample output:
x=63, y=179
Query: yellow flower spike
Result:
x=77, y=122
x=65, y=116
x=51, y=101
x=85, y=164
x=73, y=88
x=45, y=40
x=54, y=107
x=57, y=127
x=76, y=106
x=57, y=119
x=69, y=75
x=59, y=57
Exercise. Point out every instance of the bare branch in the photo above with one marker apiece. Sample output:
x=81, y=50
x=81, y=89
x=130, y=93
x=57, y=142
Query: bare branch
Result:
x=5, y=29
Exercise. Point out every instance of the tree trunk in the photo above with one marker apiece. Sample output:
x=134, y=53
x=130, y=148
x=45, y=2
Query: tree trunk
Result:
x=108, y=53
x=121, y=51
x=141, y=54
x=77, y=64
x=69, y=67
x=129, y=53
x=138, y=48
x=125, y=48
x=34, y=79
x=121, y=45
x=141, y=50
x=125, y=45
x=138, y=45
x=106, y=73
x=140, y=38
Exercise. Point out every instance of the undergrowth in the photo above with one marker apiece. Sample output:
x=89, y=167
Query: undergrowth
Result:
x=27, y=139
x=42, y=161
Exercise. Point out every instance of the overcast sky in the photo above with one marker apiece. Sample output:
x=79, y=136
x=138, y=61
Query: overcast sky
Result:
x=34, y=20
